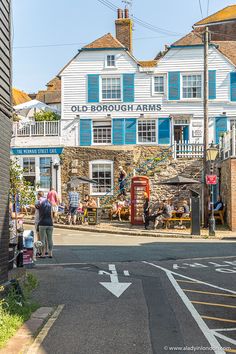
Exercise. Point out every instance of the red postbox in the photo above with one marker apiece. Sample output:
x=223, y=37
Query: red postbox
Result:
x=139, y=185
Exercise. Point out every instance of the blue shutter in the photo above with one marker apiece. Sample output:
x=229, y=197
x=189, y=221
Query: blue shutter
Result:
x=220, y=127
x=233, y=86
x=85, y=132
x=118, y=131
x=130, y=131
x=128, y=87
x=93, y=88
x=212, y=84
x=174, y=85
x=164, y=131
x=186, y=133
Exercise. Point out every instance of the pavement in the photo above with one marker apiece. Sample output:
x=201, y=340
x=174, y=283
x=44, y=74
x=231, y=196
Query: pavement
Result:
x=138, y=295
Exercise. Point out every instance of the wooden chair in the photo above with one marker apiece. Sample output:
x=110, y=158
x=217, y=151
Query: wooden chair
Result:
x=219, y=215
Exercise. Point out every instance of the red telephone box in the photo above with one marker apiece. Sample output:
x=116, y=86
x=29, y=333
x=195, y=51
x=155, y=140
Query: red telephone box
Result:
x=139, y=185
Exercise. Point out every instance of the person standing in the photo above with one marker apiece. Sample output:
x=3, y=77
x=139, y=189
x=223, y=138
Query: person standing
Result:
x=40, y=199
x=121, y=180
x=73, y=197
x=54, y=200
x=46, y=226
x=146, y=207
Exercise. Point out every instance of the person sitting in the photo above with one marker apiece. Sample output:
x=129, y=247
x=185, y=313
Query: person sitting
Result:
x=219, y=204
x=186, y=209
x=164, y=213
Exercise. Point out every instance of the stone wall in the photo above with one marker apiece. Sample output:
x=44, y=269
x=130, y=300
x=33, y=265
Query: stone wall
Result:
x=144, y=160
x=228, y=190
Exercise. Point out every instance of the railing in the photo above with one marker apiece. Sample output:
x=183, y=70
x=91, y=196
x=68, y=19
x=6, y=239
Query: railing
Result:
x=45, y=128
x=187, y=150
x=227, y=144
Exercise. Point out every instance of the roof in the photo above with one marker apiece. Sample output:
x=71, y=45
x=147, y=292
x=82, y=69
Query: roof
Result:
x=227, y=48
x=19, y=97
x=226, y=14
x=106, y=41
x=148, y=63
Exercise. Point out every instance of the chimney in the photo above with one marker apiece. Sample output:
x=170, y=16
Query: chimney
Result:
x=124, y=29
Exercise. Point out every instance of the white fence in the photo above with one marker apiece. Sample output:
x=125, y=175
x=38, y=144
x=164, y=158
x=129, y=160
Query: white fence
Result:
x=228, y=144
x=45, y=128
x=187, y=150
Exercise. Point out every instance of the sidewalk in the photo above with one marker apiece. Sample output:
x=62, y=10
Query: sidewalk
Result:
x=125, y=228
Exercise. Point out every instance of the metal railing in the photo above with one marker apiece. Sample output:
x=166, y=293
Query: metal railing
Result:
x=44, y=128
x=227, y=145
x=186, y=150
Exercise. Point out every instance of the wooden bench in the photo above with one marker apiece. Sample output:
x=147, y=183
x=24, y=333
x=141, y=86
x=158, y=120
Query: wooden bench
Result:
x=168, y=221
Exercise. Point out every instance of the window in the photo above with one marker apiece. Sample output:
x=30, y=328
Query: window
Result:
x=102, y=172
x=29, y=170
x=146, y=131
x=111, y=61
x=102, y=132
x=159, y=84
x=192, y=86
x=45, y=172
x=111, y=88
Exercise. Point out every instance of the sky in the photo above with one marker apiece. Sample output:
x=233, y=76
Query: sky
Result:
x=48, y=33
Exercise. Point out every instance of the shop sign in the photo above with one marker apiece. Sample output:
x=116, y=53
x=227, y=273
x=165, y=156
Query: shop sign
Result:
x=116, y=108
x=197, y=124
x=37, y=151
x=197, y=133
x=211, y=179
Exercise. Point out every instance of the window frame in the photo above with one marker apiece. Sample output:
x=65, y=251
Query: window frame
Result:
x=154, y=93
x=156, y=134
x=101, y=162
x=29, y=173
x=50, y=172
x=182, y=87
x=93, y=143
x=121, y=88
x=106, y=61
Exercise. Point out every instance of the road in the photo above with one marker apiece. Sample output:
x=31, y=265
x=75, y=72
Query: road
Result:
x=138, y=295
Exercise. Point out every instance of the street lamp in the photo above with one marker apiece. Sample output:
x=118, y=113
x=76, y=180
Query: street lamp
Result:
x=211, y=155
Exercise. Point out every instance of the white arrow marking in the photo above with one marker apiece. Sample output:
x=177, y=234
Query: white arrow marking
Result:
x=114, y=286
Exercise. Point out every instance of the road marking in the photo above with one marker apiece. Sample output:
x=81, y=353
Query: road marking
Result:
x=218, y=319
x=186, y=281
x=230, y=350
x=114, y=286
x=58, y=264
x=227, y=339
x=201, y=324
x=208, y=293
x=213, y=304
x=224, y=329
x=33, y=349
x=189, y=278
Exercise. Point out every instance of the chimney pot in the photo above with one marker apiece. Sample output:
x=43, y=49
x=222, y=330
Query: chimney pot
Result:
x=119, y=13
x=126, y=13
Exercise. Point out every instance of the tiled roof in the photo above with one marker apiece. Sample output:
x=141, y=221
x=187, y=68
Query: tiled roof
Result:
x=227, y=48
x=106, y=41
x=148, y=63
x=49, y=97
x=19, y=97
x=226, y=14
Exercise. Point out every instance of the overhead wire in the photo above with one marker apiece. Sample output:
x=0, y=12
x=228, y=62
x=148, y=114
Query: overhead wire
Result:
x=200, y=5
x=208, y=4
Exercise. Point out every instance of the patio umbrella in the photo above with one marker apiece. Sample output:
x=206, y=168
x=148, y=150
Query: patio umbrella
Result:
x=179, y=180
x=28, y=109
x=76, y=181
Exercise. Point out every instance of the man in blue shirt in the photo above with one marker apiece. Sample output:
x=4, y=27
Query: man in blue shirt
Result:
x=74, y=199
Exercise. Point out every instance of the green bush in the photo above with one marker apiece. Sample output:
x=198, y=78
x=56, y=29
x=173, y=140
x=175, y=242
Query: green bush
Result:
x=46, y=116
x=16, y=307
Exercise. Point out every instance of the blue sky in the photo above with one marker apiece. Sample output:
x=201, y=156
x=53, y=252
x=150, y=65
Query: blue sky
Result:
x=77, y=22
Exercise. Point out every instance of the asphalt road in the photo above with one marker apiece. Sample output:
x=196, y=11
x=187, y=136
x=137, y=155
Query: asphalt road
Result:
x=138, y=295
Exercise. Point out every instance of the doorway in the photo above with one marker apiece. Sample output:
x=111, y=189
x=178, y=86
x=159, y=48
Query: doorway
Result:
x=181, y=133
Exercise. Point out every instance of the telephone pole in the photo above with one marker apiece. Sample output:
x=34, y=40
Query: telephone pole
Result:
x=206, y=123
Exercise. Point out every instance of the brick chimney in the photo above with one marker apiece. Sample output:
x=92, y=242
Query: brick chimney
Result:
x=124, y=29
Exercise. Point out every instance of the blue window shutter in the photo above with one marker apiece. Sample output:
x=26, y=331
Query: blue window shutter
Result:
x=85, y=132
x=233, y=86
x=186, y=133
x=212, y=84
x=118, y=131
x=164, y=131
x=128, y=87
x=93, y=88
x=220, y=127
x=174, y=85
x=130, y=131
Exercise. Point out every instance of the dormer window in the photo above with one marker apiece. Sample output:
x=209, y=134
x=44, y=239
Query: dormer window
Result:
x=111, y=61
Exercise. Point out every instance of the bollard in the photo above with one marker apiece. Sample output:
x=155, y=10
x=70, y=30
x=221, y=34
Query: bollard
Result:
x=20, y=248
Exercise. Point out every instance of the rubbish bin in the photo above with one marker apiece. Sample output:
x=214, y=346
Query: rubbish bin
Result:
x=195, y=219
x=94, y=216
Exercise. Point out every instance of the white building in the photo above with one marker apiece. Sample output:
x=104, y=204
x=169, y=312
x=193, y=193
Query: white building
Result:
x=110, y=98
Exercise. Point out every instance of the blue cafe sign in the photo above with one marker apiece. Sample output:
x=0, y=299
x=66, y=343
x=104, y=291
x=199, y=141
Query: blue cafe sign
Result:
x=116, y=108
x=37, y=151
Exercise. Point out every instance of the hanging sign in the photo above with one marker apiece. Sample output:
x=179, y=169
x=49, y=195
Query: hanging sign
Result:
x=211, y=179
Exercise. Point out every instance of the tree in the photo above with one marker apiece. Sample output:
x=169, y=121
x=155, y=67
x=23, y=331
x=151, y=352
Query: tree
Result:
x=46, y=116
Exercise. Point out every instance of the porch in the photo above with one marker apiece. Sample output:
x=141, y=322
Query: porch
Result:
x=44, y=128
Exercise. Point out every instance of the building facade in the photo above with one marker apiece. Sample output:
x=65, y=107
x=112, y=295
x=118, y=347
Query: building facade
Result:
x=5, y=128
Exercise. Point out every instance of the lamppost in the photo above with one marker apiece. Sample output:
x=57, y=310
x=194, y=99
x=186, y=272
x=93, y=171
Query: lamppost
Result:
x=211, y=154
